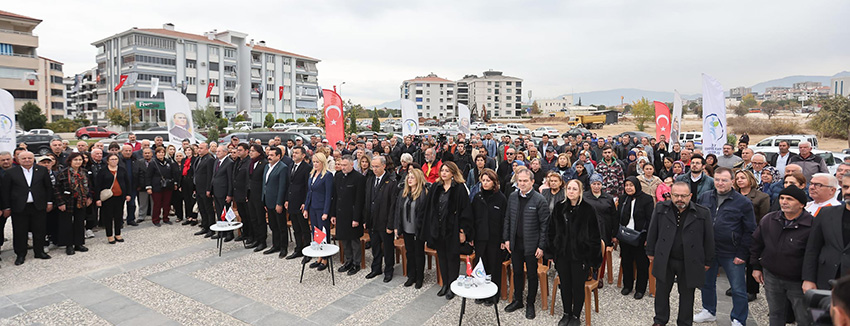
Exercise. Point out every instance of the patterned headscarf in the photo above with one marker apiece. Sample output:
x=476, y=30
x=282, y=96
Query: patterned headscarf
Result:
x=773, y=171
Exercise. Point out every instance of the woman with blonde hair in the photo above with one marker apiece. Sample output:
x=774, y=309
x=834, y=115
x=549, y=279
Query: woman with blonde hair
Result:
x=555, y=192
x=317, y=205
x=409, y=214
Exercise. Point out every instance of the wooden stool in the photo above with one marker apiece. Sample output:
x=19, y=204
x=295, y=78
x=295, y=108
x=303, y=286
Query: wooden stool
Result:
x=609, y=258
x=429, y=252
x=506, y=267
x=542, y=279
x=400, y=251
x=363, y=240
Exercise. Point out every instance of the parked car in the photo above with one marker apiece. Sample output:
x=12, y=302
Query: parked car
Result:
x=265, y=136
x=94, y=132
x=148, y=135
x=577, y=132
x=157, y=128
x=478, y=126
x=634, y=134
x=240, y=126
x=280, y=126
x=39, y=144
x=695, y=136
x=243, y=136
x=549, y=131
x=19, y=132
x=793, y=141
x=40, y=132
x=309, y=131
x=832, y=160
x=496, y=127
x=518, y=129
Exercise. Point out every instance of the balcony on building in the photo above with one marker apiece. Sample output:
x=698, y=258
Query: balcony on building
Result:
x=305, y=67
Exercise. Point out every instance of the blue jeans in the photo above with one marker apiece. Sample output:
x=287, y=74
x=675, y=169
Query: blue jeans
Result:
x=738, y=281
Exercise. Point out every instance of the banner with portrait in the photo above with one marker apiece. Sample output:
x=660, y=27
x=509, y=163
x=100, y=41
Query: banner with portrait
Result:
x=7, y=122
x=179, y=118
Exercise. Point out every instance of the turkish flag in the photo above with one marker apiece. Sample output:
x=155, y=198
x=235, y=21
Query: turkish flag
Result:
x=468, y=266
x=662, y=121
x=318, y=235
x=121, y=81
x=280, y=93
x=334, y=121
x=209, y=88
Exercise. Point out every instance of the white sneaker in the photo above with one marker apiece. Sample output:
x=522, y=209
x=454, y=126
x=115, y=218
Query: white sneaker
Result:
x=735, y=322
x=704, y=316
x=89, y=234
x=46, y=249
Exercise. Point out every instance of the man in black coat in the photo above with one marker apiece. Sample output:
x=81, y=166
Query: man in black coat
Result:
x=826, y=256
x=380, y=196
x=240, y=192
x=27, y=195
x=221, y=186
x=136, y=175
x=203, y=177
x=256, y=206
x=299, y=178
x=347, y=212
x=680, y=242
x=144, y=198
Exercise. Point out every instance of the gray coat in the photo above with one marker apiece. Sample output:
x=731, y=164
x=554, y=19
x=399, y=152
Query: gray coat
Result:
x=535, y=218
x=697, y=238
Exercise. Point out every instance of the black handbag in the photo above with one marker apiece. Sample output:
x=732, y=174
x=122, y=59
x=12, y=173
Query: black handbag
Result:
x=629, y=236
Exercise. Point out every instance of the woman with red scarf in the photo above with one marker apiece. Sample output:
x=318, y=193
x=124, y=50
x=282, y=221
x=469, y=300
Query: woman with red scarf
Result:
x=187, y=186
x=73, y=195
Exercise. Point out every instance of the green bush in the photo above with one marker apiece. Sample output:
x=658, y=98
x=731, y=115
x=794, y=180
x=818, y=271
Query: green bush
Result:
x=300, y=120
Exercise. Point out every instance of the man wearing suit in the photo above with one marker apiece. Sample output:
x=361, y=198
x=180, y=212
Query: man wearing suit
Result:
x=256, y=206
x=296, y=194
x=221, y=186
x=826, y=255
x=275, y=177
x=144, y=197
x=27, y=195
x=203, y=177
x=136, y=176
x=347, y=212
x=380, y=194
x=240, y=192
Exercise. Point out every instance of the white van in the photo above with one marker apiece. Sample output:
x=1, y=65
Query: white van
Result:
x=793, y=141
x=695, y=136
x=518, y=129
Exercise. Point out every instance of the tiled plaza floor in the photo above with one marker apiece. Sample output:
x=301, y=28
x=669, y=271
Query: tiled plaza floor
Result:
x=167, y=276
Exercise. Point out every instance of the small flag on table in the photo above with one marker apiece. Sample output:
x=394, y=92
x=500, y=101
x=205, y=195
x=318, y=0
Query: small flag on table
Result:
x=468, y=267
x=228, y=215
x=478, y=272
x=318, y=235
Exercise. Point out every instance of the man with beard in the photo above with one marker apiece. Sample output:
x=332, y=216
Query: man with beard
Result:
x=347, y=212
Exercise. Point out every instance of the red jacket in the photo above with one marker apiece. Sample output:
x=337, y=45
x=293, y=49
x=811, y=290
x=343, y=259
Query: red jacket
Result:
x=136, y=146
x=432, y=174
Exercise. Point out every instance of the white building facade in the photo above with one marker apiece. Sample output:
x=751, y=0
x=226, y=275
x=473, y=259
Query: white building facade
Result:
x=434, y=96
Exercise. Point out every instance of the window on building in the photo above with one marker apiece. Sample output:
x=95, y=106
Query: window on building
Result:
x=489, y=90
x=57, y=105
x=518, y=84
x=56, y=92
x=418, y=92
x=255, y=73
x=229, y=84
x=214, y=51
x=270, y=102
x=191, y=81
x=427, y=92
x=230, y=53
x=428, y=100
x=418, y=99
x=55, y=66
x=56, y=79
x=489, y=83
x=213, y=98
x=162, y=79
x=213, y=66
x=270, y=87
x=508, y=83
x=269, y=73
x=269, y=58
x=192, y=97
x=287, y=76
x=191, y=47
x=286, y=61
x=191, y=64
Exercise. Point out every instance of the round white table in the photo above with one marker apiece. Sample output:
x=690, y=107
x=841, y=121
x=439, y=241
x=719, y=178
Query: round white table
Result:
x=477, y=291
x=324, y=250
x=217, y=228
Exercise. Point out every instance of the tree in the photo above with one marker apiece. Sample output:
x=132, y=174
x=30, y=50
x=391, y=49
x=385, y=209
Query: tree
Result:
x=740, y=110
x=311, y=119
x=119, y=117
x=30, y=117
x=770, y=108
x=81, y=120
x=63, y=125
x=579, y=101
x=535, y=108
x=205, y=118
x=376, y=123
x=239, y=118
x=352, y=126
x=833, y=119
x=269, y=122
x=749, y=101
x=643, y=112
x=300, y=120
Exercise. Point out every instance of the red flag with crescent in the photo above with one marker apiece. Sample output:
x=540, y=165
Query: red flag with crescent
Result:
x=209, y=88
x=334, y=122
x=662, y=121
x=468, y=267
x=318, y=235
x=280, y=93
x=121, y=81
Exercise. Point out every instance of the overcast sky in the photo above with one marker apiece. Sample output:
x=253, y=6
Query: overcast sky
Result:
x=557, y=47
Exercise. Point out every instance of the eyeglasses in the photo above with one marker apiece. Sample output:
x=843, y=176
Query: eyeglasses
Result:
x=759, y=163
x=816, y=185
x=681, y=196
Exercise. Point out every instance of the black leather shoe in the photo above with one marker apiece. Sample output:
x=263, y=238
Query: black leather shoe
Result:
x=215, y=236
x=210, y=234
x=43, y=256
x=294, y=255
x=513, y=306
x=133, y=223
x=729, y=292
x=201, y=232
x=443, y=291
x=418, y=285
x=344, y=268
x=69, y=250
x=168, y=222
x=239, y=238
x=81, y=248
x=372, y=275
x=252, y=245
x=271, y=250
x=638, y=295
x=529, y=312
x=626, y=291
x=315, y=264
x=260, y=247
x=574, y=321
x=281, y=254
x=321, y=267
x=194, y=223
x=388, y=278
x=20, y=260
x=228, y=238
x=353, y=270
x=450, y=295
x=186, y=222
x=565, y=320
x=409, y=282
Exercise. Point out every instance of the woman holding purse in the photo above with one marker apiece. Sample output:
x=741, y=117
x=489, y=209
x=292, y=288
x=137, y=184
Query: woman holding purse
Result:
x=160, y=184
x=113, y=188
x=73, y=195
x=635, y=211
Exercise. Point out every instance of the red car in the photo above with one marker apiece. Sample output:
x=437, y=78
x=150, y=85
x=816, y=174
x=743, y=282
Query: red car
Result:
x=94, y=132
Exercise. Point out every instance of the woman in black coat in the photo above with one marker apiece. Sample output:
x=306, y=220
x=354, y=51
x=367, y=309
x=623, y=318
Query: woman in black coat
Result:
x=635, y=212
x=409, y=215
x=159, y=180
x=448, y=221
x=488, y=209
x=72, y=195
x=113, y=177
x=187, y=185
x=574, y=239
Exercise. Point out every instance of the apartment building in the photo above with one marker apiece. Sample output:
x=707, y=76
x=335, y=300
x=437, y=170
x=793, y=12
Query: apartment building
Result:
x=243, y=77
x=555, y=104
x=501, y=95
x=22, y=72
x=840, y=86
x=51, y=88
x=81, y=97
x=434, y=96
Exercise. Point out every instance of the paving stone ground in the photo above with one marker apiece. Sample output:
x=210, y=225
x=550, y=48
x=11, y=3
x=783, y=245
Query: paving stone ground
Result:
x=167, y=276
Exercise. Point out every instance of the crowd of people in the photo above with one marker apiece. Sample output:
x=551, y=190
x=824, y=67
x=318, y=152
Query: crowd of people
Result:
x=781, y=224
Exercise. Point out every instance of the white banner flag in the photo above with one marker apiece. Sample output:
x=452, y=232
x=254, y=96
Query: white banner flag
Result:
x=676, y=124
x=7, y=121
x=154, y=86
x=463, y=118
x=131, y=78
x=409, y=118
x=179, y=116
x=479, y=272
x=714, y=116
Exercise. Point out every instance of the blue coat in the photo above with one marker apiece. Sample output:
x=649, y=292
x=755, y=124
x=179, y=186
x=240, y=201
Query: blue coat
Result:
x=274, y=187
x=319, y=193
x=734, y=224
